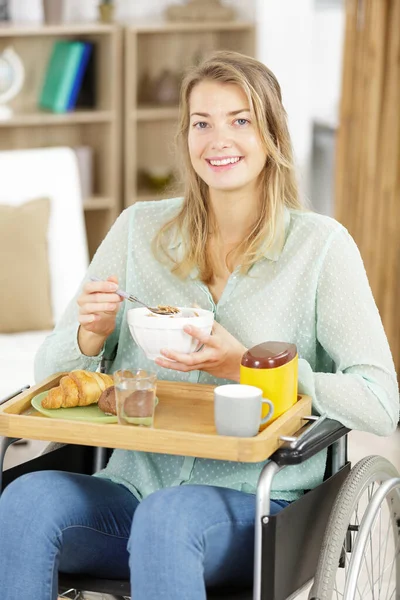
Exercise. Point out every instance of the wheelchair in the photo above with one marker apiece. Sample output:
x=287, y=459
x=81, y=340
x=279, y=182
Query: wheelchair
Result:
x=342, y=535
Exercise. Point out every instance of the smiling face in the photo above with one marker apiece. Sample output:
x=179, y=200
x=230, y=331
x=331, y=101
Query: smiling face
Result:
x=224, y=144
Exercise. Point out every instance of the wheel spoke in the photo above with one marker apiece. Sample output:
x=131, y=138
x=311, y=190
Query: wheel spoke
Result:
x=393, y=593
x=381, y=573
x=337, y=592
x=368, y=573
x=386, y=547
x=364, y=560
x=371, y=491
x=390, y=566
x=393, y=562
x=372, y=562
x=375, y=580
x=380, y=545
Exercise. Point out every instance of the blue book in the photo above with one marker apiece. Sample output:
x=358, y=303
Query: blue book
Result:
x=87, y=50
x=60, y=75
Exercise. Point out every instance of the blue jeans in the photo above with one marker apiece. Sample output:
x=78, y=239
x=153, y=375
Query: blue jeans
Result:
x=171, y=545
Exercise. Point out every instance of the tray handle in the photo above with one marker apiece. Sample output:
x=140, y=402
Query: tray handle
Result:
x=294, y=441
x=14, y=394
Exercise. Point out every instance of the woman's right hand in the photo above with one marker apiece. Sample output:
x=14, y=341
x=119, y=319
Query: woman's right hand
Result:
x=98, y=309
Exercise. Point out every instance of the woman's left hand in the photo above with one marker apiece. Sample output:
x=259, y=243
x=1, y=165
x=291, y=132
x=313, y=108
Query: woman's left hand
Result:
x=220, y=355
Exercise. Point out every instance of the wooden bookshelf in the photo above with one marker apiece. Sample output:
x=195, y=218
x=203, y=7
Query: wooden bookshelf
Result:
x=99, y=128
x=127, y=136
x=149, y=128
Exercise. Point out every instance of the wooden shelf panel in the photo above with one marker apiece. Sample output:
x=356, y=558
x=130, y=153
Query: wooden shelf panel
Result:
x=171, y=26
x=155, y=113
x=98, y=203
x=20, y=29
x=39, y=118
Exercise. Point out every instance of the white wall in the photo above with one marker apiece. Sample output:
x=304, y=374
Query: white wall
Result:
x=302, y=42
x=285, y=46
x=328, y=39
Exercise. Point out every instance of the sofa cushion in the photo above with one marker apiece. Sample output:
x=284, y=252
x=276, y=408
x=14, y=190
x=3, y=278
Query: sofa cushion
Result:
x=25, y=300
x=17, y=354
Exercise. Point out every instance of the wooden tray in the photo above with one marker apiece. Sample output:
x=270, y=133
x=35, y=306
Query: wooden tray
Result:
x=183, y=425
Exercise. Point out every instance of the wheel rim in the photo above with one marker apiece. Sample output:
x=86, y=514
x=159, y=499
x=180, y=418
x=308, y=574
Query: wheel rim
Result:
x=369, y=567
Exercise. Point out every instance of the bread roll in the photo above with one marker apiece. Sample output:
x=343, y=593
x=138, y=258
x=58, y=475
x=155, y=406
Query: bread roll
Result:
x=107, y=402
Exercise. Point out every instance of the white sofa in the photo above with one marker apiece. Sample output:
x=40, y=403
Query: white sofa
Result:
x=16, y=359
x=51, y=173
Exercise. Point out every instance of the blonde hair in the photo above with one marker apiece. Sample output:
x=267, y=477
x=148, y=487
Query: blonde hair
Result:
x=278, y=182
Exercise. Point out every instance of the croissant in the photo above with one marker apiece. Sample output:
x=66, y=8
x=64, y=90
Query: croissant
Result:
x=78, y=388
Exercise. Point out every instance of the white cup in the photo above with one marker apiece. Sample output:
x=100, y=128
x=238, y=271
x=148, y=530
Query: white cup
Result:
x=237, y=409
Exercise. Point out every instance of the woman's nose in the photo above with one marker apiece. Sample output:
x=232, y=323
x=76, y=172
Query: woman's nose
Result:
x=220, y=141
x=221, y=144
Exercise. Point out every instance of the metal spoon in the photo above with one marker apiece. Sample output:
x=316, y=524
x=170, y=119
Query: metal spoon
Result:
x=157, y=311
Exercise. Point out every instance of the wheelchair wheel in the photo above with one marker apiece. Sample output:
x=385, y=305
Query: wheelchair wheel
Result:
x=359, y=557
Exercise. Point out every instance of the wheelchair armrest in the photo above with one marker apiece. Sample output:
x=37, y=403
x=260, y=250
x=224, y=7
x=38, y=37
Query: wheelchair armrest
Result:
x=319, y=435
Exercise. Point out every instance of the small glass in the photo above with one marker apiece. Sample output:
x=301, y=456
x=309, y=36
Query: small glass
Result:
x=135, y=393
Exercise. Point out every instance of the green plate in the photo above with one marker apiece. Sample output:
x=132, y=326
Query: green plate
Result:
x=79, y=413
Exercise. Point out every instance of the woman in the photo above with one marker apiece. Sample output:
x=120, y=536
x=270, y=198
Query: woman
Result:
x=241, y=244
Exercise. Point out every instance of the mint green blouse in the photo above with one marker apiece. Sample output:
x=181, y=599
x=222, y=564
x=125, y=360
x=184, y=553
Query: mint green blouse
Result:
x=310, y=288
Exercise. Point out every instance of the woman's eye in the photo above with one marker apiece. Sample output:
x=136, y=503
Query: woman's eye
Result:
x=242, y=122
x=200, y=125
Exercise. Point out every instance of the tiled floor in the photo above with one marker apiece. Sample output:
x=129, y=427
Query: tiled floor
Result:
x=360, y=445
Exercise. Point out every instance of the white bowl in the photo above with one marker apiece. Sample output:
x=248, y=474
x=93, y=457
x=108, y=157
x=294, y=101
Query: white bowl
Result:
x=152, y=333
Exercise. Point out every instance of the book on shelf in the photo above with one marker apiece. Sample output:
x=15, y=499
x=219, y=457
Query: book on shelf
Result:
x=87, y=93
x=81, y=69
x=64, y=75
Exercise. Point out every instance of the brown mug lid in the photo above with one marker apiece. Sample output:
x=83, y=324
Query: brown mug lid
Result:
x=269, y=355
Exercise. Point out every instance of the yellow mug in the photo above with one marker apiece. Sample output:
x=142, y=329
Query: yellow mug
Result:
x=273, y=367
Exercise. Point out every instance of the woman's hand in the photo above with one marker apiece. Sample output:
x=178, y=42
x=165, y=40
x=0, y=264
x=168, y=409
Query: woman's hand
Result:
x=220, y=355
x=98, y=309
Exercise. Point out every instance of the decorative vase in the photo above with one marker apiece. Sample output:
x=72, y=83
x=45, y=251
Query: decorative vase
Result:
x=53, y=11
x=106, y=12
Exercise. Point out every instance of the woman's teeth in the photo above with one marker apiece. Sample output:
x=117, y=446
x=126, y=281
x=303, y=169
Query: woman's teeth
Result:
x=224, y=161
